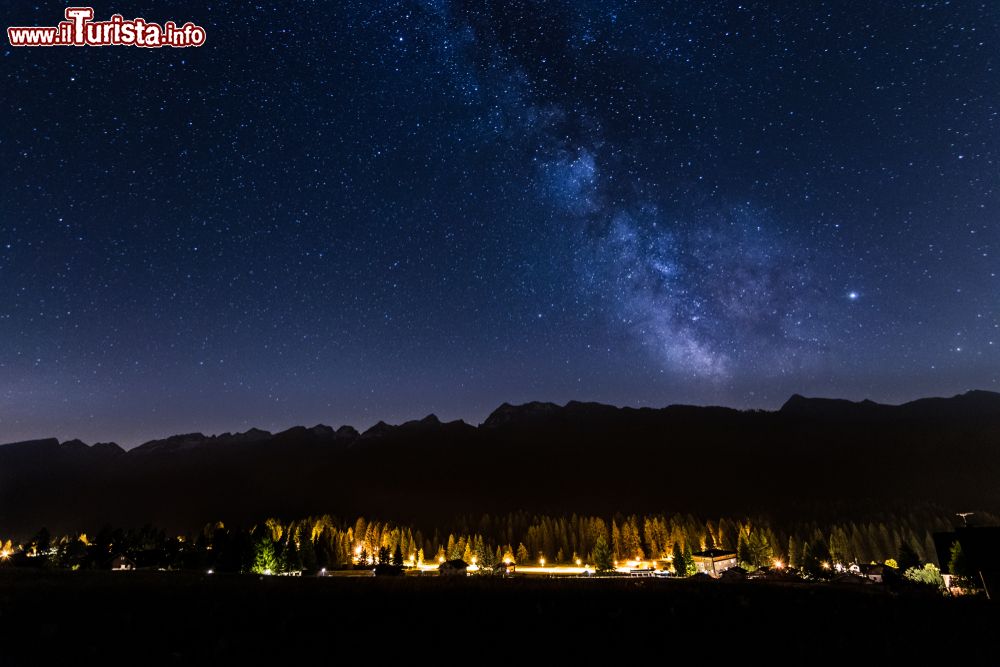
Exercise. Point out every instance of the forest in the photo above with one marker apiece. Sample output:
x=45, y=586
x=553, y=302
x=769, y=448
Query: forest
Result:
x=325, y=542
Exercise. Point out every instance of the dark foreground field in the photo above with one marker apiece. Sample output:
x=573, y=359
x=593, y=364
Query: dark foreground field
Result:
x=151, y=618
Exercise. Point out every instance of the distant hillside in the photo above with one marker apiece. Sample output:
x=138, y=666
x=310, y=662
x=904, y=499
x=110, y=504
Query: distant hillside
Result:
x=812, y=455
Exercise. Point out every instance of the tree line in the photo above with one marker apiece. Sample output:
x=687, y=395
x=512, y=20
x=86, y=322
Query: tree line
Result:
x=312, y=543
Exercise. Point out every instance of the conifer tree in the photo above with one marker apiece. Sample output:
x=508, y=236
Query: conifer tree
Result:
x=958, y=564
x=264, y=559
x=678, y=561
x=603, y=561
x=690, y=567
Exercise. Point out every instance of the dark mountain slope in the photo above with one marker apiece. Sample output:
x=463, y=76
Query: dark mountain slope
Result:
x=807, y=457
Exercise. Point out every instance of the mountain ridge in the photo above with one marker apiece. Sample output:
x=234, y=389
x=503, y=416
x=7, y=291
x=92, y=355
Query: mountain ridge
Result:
x=507, y=413
x=539, y=457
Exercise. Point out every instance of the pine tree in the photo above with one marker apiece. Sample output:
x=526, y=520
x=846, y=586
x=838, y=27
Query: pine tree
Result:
x=616, y=541
x=794, y=557
x=743, y=553
x=307, y=551
x=691, y=567
x=958, y=564
x=907, y=557
x=290, y=561
x=678, y=561
x=264, y=560
x=602, y=555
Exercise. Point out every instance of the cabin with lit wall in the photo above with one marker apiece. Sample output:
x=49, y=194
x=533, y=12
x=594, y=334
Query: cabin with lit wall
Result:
x=714, y=562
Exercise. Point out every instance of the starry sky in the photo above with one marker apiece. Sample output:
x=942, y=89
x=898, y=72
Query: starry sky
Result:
x=342, y=212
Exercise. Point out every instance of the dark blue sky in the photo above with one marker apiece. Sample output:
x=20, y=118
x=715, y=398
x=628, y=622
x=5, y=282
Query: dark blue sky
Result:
x=346, y=212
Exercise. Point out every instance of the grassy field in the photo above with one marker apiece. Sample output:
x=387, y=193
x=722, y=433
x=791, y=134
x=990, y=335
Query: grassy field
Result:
x=157, y=617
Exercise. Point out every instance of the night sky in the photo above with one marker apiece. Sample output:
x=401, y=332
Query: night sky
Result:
x=345, y=212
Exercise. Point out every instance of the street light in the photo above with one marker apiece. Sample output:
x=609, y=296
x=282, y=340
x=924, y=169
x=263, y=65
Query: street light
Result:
x=541, y=561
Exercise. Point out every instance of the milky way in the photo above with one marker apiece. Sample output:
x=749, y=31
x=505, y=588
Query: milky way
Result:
x=345, y=212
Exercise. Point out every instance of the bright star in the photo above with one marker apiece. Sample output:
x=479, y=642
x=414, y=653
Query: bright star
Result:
x=853, y=296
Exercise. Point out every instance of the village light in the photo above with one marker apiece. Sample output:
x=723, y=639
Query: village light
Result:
x=4, y=555
x=211, y=572
x=441, y=559
x=578, y=561
x=267, y=572
x=778, y=564
x=506, y=561
x=826, y=565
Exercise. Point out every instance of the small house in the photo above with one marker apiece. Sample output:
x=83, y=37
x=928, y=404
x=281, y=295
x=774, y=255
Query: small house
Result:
x=714, y=562
x=122, y=562
x=733, y=574
x=875, y=572
x=453, y=568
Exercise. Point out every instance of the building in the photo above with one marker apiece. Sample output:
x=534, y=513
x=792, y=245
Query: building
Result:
x=981, y=550
x=453, y=568
x=714, y=562
x=122, y=562
x=504, y=569
x=875, y=572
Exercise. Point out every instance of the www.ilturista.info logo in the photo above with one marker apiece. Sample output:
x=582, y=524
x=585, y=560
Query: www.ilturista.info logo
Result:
x=79, y=29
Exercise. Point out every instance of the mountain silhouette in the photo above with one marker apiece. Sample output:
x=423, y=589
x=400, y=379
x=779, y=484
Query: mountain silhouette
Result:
x=812, y=455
